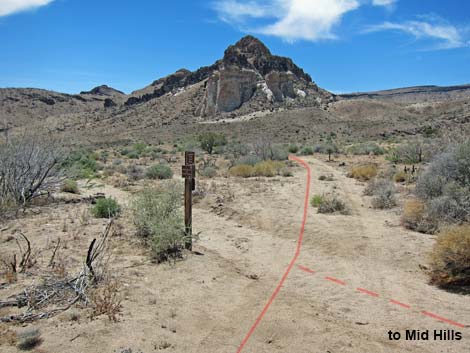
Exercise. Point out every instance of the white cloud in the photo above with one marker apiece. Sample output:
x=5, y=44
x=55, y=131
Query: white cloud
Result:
x=8, y=7
x=448, y=36
x=289, y=19
x=383, y=2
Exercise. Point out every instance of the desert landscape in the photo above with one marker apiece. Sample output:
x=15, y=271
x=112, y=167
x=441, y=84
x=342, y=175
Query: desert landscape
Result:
x=321, y=222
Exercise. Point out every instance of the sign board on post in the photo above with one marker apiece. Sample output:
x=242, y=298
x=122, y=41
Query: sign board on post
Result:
x=188, y=172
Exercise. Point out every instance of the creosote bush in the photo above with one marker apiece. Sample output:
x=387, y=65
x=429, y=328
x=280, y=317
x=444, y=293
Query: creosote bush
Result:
x=159, y=171
x=158, y=219
x=106, y=208
x=450, y=258
x=364, y=172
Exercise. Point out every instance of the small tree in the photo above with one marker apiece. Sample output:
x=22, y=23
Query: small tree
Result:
x=209, y=140
x=29, y=168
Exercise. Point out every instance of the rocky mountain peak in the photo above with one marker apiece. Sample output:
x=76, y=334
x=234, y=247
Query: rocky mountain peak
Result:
x=103, y=90
x=249, y=47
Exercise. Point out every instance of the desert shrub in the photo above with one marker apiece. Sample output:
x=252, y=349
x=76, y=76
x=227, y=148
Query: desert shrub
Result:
x=209, y=140
x=450, y=258
x=409, y=153
x=268, y=168
x=306, y=151
x=248, y=160
x=331, y=203
x=237, y=149
x=158, y=218
x=415, y=217
x=242, y=170
x=134, y=172
x=124, y=151
x=159, y=171
x=70, y=186
x=29, y=168
x=293, y=148
x=316, y=200
x=81, y=164
x=364, y=172
x=208, y=171
x=445, y=185
x=383, y=192
x=28, y=339
x=106, y=300
x=133, y=155
x=367, y=148
x=265, y=150
x=106, y=208
x=139, y=147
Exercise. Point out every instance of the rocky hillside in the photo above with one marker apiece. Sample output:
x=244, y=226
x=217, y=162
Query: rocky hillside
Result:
x=249, y=92
x=416, y=94
x=248, y=72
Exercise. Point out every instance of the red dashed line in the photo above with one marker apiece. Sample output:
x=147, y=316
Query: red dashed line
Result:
x=305, y=269
x=335, y=280
x=400, y=304
x=440, y=318
x=374, y=294
x=368, y=292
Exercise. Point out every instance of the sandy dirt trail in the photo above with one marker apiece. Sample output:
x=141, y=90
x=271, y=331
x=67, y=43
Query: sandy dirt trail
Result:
x=207, y=303
x=366, y=249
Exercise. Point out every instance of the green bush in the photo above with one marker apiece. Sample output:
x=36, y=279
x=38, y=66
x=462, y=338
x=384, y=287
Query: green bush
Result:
x=306, y=151
x=106, y=208
x=293, y=148
x=159, y=171
x=316, y=200
x=209, y=140
x=70, y=186
x=367, y=148
x=81, y=164
x=158, y=218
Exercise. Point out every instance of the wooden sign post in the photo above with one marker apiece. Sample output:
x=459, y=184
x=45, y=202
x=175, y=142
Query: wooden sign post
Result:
x=189, y=175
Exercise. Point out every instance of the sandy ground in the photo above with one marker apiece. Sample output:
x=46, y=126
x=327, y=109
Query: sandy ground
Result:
x=208, y=302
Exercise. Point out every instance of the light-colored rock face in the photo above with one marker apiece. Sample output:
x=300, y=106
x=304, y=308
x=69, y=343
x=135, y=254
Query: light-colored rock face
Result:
x=281, y=85
x=228, y=89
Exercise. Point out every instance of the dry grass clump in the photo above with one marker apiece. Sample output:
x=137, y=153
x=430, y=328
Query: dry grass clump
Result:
x=401, y=177
x=242, y=170
x=262, y=169
x=415, y=217
x=70, y=186
x=363, y=172
x=450, y=258
x=28, y=339
x=331, y=203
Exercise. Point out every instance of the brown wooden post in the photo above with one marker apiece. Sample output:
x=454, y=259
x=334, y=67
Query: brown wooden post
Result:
x=189, y=174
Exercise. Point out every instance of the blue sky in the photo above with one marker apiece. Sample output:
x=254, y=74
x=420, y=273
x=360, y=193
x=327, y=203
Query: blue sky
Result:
x=345, y=45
